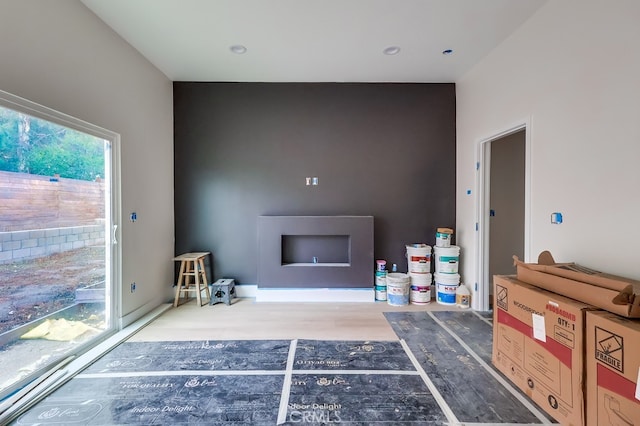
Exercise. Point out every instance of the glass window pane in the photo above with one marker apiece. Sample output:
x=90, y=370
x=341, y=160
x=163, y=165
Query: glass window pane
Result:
x=55, y=245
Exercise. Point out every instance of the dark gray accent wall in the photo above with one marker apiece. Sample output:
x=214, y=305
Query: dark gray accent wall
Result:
x=243, y=150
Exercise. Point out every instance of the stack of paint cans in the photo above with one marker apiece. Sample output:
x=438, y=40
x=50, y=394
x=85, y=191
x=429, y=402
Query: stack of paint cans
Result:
x=381, y=280
x=419, y=267
x=447, y=259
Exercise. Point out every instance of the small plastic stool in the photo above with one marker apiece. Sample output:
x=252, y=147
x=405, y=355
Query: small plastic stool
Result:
x=223, y=290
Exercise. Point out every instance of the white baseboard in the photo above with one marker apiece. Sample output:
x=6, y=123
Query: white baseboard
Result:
x=246, y=290
x=305, y=294
x=143, y=310
x=333, y=295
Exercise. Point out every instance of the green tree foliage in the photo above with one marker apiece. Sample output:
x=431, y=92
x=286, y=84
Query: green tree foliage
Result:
x=32, y=145
x=75, y=156
x=8, y=139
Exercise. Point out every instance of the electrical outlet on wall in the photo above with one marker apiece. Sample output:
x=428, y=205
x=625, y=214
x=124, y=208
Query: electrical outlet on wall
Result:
x=133, y=287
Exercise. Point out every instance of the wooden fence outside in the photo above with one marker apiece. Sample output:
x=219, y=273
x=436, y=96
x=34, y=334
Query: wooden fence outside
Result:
x=29, y=202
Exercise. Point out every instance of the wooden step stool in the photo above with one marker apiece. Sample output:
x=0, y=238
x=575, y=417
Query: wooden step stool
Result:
x=192, y=265
x=222, y=290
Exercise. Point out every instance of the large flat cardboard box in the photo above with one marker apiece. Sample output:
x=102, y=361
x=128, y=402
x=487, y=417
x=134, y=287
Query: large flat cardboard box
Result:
x=538, y=343
x=609, y=292
x=613, y=370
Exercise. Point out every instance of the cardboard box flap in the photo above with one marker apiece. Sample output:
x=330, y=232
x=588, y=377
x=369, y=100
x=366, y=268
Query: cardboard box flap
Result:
x=610, y=292
x=587, y=275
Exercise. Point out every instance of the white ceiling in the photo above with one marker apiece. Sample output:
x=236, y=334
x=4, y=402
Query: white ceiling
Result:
x=314, y=40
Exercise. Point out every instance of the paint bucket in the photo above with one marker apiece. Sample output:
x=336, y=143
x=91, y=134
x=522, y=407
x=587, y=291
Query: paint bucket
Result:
x=419, y=258
x=420, y=289
x=443, y=237
x=446, y=286
x=381, y=265
x=381, y=293
x=398, y=289
x=447, y=259
x=381, y=285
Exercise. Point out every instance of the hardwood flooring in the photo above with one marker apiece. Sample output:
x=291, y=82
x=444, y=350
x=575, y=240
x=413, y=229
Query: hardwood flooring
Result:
x=247, y=319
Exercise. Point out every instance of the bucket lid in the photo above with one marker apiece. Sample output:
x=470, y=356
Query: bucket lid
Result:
x=421, y=278
x=440, y=274
x=457, y=248
x=447, y=278
x=418, y=246
x=397, y=277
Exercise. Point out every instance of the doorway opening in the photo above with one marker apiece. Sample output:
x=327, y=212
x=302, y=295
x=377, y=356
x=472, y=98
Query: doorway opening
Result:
x=502, y=206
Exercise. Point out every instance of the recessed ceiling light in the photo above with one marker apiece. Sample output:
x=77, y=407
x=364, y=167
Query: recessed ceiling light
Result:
x=238, y=48
x=391, y=50
x=447, y=52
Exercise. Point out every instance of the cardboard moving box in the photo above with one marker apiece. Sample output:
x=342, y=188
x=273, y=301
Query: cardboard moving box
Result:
x=613, y=370
x=612, y=293
x=538, y=343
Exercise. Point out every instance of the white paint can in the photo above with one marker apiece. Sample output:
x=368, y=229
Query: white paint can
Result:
x=418, y=258
x=398, y=289
x=447, y=259
x=446, y=287
x=381, y=293
x=443, y=237
x=420, y=289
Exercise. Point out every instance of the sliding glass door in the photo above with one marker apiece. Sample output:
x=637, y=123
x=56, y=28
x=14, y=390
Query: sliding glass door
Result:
x=57, y=248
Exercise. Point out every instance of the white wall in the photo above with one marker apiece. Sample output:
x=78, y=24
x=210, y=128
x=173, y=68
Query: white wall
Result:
x=60, y=55
x=574, y=70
